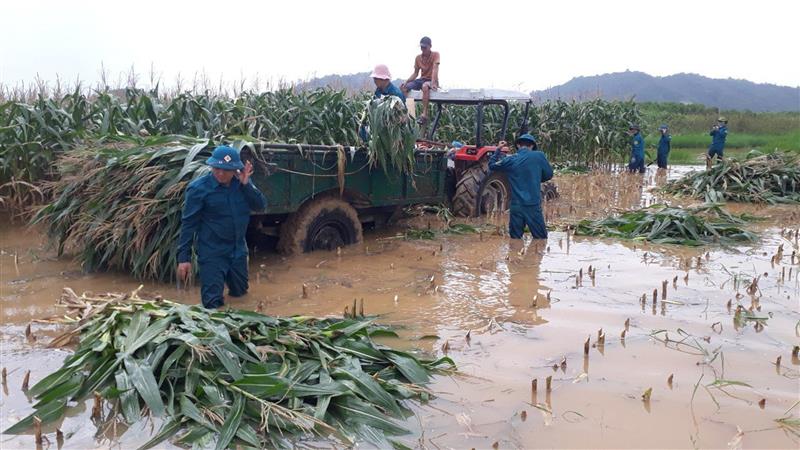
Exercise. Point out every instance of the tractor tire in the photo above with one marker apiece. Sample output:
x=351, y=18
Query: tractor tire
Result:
x=479, y=192
x=549, y=191
x=323, y=223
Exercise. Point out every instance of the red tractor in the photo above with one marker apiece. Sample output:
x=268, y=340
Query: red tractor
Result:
x=472, y=189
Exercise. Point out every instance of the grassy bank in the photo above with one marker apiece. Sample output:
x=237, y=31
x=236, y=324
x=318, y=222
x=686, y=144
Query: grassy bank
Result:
x=691, y=148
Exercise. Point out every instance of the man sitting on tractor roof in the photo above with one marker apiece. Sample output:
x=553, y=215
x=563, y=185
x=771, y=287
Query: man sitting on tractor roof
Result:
x=526, y=170
x=426, y=65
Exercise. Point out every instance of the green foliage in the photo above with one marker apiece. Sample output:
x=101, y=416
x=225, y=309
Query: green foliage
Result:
x=119, y=204
x=586, y=133
x=392, y=135
x=31, y=136
x=763, y=142
x=694, y=118
x=239, y=377
x=666, y=225
x=759, y=178
x=591, y=132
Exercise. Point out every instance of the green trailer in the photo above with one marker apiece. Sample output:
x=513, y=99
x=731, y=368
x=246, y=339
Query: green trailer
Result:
x=320, y=196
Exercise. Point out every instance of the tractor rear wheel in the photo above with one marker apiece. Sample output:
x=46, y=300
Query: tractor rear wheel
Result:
x=479, y=192
x=549, y=191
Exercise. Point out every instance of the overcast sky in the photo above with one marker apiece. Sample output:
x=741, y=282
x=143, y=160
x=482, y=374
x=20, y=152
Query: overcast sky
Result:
x=522, y=44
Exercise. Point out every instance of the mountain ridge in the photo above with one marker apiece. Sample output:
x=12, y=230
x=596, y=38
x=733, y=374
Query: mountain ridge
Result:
x=691, y=88
x=722, y=93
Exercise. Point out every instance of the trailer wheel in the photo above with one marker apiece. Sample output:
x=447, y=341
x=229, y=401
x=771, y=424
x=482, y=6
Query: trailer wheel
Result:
x=324, y=223
x=479, y=192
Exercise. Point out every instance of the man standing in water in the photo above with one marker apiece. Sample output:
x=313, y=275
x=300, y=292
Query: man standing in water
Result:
x=637, y=150
x=718, y=135
x=217, y=211
x=663, y=147
x=526, y=170
x=426, y=65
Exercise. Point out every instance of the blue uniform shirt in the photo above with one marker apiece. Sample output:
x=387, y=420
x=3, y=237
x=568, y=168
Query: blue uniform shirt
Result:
x=391, y=89
x=219, y=216
x=718, y=138
x=664, y=143
x=637, y=147
x=526, y=170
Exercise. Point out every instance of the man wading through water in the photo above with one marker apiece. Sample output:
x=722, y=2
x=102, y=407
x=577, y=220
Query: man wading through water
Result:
x=526, y=170
x=217, y=211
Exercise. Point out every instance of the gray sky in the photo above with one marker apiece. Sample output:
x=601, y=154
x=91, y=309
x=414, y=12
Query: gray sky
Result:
x=522, y=44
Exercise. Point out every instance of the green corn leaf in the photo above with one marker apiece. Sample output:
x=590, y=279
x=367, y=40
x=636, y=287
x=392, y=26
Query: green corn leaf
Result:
x=142, y=378
x=47, y=413
x=232, y=422
x=170, y=427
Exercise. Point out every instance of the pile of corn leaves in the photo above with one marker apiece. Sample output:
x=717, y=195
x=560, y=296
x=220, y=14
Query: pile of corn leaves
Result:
x=772, y=178
x=118, y=205
x=662, y=224
x=392, y=135
x=228, y=378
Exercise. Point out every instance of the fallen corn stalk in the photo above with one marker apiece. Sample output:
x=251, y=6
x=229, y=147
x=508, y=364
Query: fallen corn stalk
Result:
x=232, y=377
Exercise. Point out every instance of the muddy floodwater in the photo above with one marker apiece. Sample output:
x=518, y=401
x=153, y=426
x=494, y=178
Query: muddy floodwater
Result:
x=713, y=374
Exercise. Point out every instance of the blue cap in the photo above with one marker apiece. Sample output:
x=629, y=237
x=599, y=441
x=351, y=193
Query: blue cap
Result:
x=456, y=144
x=526, y=137
x=226, y=158
x=664, y=127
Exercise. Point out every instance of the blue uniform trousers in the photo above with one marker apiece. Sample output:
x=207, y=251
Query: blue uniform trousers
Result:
x=662, y=159
x=530, y=215
x=215, y=273
x=636, y=164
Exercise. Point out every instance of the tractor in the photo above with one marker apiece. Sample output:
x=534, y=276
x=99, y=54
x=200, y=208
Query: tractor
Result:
x=471, y=188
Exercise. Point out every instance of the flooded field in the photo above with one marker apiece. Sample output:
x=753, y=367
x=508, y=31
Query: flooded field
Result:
x=711, y=344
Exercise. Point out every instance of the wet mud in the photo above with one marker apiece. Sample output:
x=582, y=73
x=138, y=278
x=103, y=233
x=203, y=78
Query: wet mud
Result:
x=512, y=315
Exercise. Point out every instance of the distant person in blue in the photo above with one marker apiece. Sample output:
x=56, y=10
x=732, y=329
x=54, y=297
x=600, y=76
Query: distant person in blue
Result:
x=217, y=212
x=527, y=169
x=718, y=134
x=663, y=147
x=383, y=83
x=637, y=150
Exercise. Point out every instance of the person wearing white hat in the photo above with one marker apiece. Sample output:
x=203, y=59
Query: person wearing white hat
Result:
x=383, y=83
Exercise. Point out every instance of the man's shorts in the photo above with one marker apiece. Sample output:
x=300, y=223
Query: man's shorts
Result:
x=416, y=85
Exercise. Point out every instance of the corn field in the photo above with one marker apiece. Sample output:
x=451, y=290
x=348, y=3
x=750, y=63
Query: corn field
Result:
x=33, y=134
x=571, y=133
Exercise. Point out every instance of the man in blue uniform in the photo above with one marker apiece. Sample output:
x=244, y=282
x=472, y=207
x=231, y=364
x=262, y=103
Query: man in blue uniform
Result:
x=718, y=134
x=663, y=147
x=526, y=170
x=637, y=150
x=217, y=211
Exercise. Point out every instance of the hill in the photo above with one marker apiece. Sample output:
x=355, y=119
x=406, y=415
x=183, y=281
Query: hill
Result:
x=728, y=94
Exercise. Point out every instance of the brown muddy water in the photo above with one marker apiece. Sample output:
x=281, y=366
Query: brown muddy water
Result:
x=498, y=291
